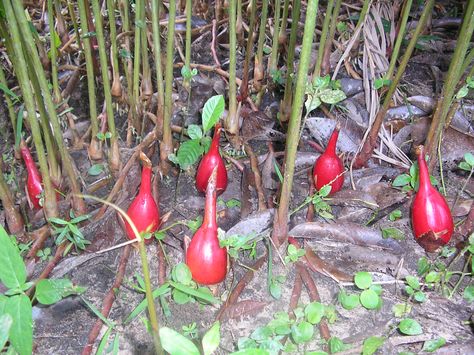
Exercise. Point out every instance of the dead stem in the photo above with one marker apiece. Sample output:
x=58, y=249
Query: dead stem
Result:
x=258, y=177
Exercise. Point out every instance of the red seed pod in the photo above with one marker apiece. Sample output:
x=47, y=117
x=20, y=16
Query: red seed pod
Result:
x=208, y=162
x=204, y=257
x=143, y=210
x=34, y=182
x=430, y=215
x=328, y=166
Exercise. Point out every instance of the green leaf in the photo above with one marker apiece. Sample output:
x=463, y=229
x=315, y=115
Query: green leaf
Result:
x=12, y=267
x=312, y=103
x=211, y=340
x=314, y=312
x=6, y=322
x=195, y=293
x=392, y=233
x=401, y=180
x=422, y=266
x=410, y=326
x=103, y=342
x=21, y=331
x=177, y=344
x=261, y=333
x=194, y=131
x=182, y=274
x=325, y=190
x=464, y=166
x=10, y=93
x=302, y=332
x=50, y=291
x=336, y=345
x=413, y=282
x=251, y=351
x=371, y=345
x=212, y=111
x=401, y=309
x=96, y=169
x=59, y=221
x=469, y=293
x=363, y=280
x=380, y=82
x=463, y=91
x=180, y=297
x=143, y=304
x=394, y=215
x=433, y=345
x=469, y=158
x=369, y=299
x=189, y=152
x=420, y=296
x=98, y=313
x=348, y=301
x=332, y=97
x=432, y=276
x=275, y=290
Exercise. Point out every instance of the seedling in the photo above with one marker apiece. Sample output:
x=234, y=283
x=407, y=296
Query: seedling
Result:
x=68, y=230
x=409, y=182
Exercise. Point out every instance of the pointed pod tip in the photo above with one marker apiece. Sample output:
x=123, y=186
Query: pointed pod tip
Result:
x=420, y=150
x=146, y=161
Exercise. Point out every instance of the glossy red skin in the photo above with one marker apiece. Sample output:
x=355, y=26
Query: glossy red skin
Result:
x=204, y=257
x=328, y=166
x=430, y=211
x=143, y=210
x=34, y=182
x=210, y=160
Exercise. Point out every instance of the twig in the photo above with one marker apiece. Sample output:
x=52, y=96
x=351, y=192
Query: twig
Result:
x=213, y=43
x=258, y=178
x=108, y=301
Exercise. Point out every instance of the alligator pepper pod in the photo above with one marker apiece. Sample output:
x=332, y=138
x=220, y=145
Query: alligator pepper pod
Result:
x=34, y=182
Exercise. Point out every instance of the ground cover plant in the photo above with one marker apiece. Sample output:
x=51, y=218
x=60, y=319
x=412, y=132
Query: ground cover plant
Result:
x=245, y=177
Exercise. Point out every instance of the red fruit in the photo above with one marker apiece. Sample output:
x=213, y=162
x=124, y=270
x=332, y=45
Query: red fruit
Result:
x=204, y=257
x=34, y=182
x=209, y=162
x=329, y=167
x=430, y=215
x=143, y=210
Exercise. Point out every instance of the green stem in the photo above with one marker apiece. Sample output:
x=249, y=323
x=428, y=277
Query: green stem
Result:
x=20, y=65
x=285, y=107
x=116, y=88
x=187, y=54
x=78, y=203
x=114, y=154
x=232, y=120
x=273, y=61
x=11, y=109
x=90, y=79
x=72, y=13
x=284, y=23
x=400, y=37
x=295, y=120
x=461, y=278
x=126, y=28
x=167, y=143
x=324, y=38
x=248, y=53
x=137, y=48
x=53, y=52
x=146, y=87
x=258, y=67
x=332, y=32
x=155, y=17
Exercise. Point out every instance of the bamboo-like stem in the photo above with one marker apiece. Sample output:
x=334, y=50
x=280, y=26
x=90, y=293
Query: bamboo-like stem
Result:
x=114, y=154
x=284, y=22
x=258, y=72
x=332, y=31
x=8, y=101
x=295, y=119
x=126, y=28
x=239, y=27
x=467, y=61
x=116, y=87
x=273, y=60
x=53, y=52
x=72, y=13
x=49, y=206
x=155, y=16
x=146, y=87
x=244, y=86
x=400, y=37
x=232, y=120
x=324, y=38
x=136, y=63
x=13, y=217
x=187, y=53
x=454, y=75
x=94, y=150
x=78, y=203
x=285, y=106
x=369, y=145
x=61, y=23
x=166, y=146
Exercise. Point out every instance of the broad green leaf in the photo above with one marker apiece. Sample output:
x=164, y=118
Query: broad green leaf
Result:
x=392, y=233
x=275, y=290
x=410, y=326
x=433, y=345
x=336, y=345
x=195, y=293
x=177, y=344
x=401, y=180
x=413, y=282
x=432, y=276
x=420, y=296
x=394, y=215
x=21, y=331
x=312, y=103
x=194, y=131
x=469, y=293
x=6, y=322
x=12, y=267
x=50, y=291
x=325, y=190
x=371, y=345
x=182, y=274
x=189, y=152
x=261, y=333
x=462, y=92
x=212, y=111
x=212, y=338
x=314, y=312
x=469, y=158
x=464, y=166
x=302, y=332
x=363, y=280
x=401, y=309
x=332, y=97
x=96, y=169
x=180, y=297
x=422, y=266
x=369, y=299
x=348, y=301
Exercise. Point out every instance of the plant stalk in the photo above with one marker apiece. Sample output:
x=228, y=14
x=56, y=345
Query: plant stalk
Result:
x=284, y=22
x=116, y=87
x=244, y=86
x=13, y=217
x=54, y=53
x=232, y=120
x=325, y=67
x=273, y=60
x=258, y=72
x=187, y=54
x=8, y=101
x=155, y=17
x=324, y=38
